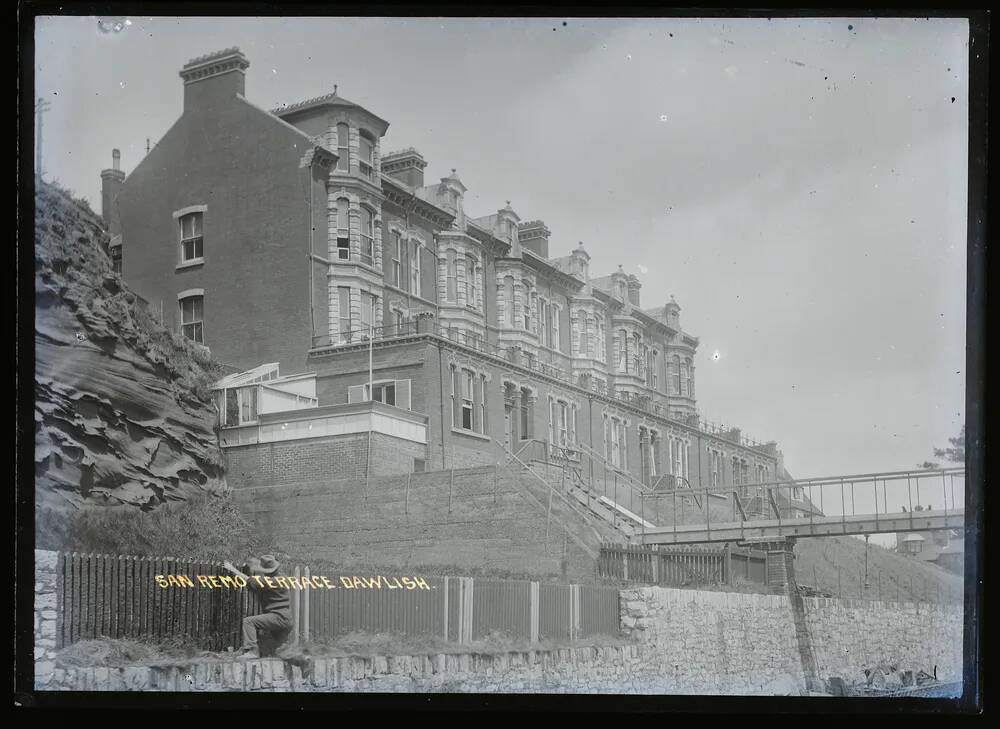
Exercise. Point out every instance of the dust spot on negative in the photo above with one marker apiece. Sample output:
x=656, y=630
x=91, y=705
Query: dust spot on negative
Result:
x=850, y=27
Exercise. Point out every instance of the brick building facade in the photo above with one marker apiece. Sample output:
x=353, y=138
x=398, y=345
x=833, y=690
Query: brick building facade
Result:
x=289, y=236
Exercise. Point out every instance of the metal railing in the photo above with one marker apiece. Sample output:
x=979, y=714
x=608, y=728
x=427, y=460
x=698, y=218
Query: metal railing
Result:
x=514, y=354
x=890, y=501
x=592, y=505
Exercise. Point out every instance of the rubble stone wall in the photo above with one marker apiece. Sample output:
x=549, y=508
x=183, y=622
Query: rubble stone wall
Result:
x=719, y=642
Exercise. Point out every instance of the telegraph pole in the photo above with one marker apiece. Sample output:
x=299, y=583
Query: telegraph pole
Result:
x=40, y=108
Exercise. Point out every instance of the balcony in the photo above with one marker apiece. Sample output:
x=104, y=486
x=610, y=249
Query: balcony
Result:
x=514, y=354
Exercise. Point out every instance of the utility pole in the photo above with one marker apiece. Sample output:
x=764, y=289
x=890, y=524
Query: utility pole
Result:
x=41, y=107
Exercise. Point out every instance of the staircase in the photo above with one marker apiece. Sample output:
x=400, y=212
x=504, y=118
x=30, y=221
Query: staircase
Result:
x=560, y=484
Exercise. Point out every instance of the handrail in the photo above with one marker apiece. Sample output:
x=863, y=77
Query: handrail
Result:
x=569, y=503
x=631, y=480
x=829, y=480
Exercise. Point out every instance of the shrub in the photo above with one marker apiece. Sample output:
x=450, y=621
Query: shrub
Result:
x=204, y=527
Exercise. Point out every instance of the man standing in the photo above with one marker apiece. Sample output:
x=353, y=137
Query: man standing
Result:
x=275, y=618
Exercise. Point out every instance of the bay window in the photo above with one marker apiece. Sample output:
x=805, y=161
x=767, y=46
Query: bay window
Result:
x=367, y=236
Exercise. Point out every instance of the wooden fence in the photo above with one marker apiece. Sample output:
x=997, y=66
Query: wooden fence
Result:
x=680, y=566
x=117, y=596
x=120, y=597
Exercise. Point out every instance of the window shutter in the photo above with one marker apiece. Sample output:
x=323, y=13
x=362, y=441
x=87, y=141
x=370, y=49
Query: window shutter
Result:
x=356, y=393
x=403, y=394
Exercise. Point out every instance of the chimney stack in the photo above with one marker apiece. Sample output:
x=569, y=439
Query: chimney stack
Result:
x=111, y=185
x=534, y=236
x=406, y=166
x=633, y=290
x=214, y=77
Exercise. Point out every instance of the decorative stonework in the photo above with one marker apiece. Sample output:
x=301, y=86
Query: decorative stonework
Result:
x=214, y=64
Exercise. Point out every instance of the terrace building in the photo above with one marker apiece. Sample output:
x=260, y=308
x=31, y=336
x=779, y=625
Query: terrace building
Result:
x=291, y=237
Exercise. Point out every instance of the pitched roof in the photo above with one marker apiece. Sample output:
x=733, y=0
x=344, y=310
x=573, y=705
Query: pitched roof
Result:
x=332, y=99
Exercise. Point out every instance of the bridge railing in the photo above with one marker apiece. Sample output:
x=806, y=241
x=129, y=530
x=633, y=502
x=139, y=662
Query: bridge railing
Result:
x=908, y=495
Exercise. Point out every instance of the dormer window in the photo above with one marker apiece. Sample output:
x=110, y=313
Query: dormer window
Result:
x=366, y=155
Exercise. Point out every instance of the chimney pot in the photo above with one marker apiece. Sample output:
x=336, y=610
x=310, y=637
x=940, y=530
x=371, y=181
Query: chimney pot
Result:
x=116, y=160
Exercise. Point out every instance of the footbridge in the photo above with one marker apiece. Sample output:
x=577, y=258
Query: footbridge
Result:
x=857, y=504
x=666, y=509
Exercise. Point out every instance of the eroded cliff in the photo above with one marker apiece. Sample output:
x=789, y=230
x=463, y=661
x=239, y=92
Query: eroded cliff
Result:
x=122, y=408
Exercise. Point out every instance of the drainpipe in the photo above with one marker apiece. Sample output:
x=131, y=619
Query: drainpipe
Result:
x=312, y=262
x=441, y=412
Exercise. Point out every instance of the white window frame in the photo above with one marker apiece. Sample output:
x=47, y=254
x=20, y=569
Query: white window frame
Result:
x=180, y=215
x=343, y=229
x=192, y=295
x=415, y=286
x=367, y=236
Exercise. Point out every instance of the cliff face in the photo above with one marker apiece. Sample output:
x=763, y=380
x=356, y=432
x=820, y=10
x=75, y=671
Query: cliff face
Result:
x=122, y=408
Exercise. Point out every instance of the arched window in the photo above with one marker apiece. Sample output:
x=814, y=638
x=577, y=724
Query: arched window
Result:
x=367, y=236
x=415, y=286
x=471, y=282
x=684, y=377
x=602, y=341
x=451, y=283
x=508, y=288
x=526, y=308
x=397, y=259
x=343, y=148
x=622, y=350
x=343, y=230
x=677, y=374
x=689, y=369
x=637, y=355
x=366, y=154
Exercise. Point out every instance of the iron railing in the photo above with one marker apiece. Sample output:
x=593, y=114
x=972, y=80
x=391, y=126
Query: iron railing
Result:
x=516, y=355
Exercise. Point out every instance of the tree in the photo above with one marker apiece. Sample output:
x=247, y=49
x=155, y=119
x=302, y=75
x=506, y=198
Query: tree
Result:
x=955, y=453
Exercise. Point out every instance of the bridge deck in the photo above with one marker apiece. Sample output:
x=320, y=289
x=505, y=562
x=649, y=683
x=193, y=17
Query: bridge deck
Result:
x=815, y=526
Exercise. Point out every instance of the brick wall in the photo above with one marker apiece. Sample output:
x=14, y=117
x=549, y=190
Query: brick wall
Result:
x=728, y=643
x=257, y=234
x=476, y=519
x=314, y=459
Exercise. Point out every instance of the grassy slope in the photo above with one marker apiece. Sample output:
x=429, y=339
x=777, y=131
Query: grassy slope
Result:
x=889, y=574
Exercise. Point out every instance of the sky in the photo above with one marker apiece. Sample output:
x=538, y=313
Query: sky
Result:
x=798, y=185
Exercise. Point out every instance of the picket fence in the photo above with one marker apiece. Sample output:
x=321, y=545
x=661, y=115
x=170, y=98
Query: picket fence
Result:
x=118, y=596
x=681, y=566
